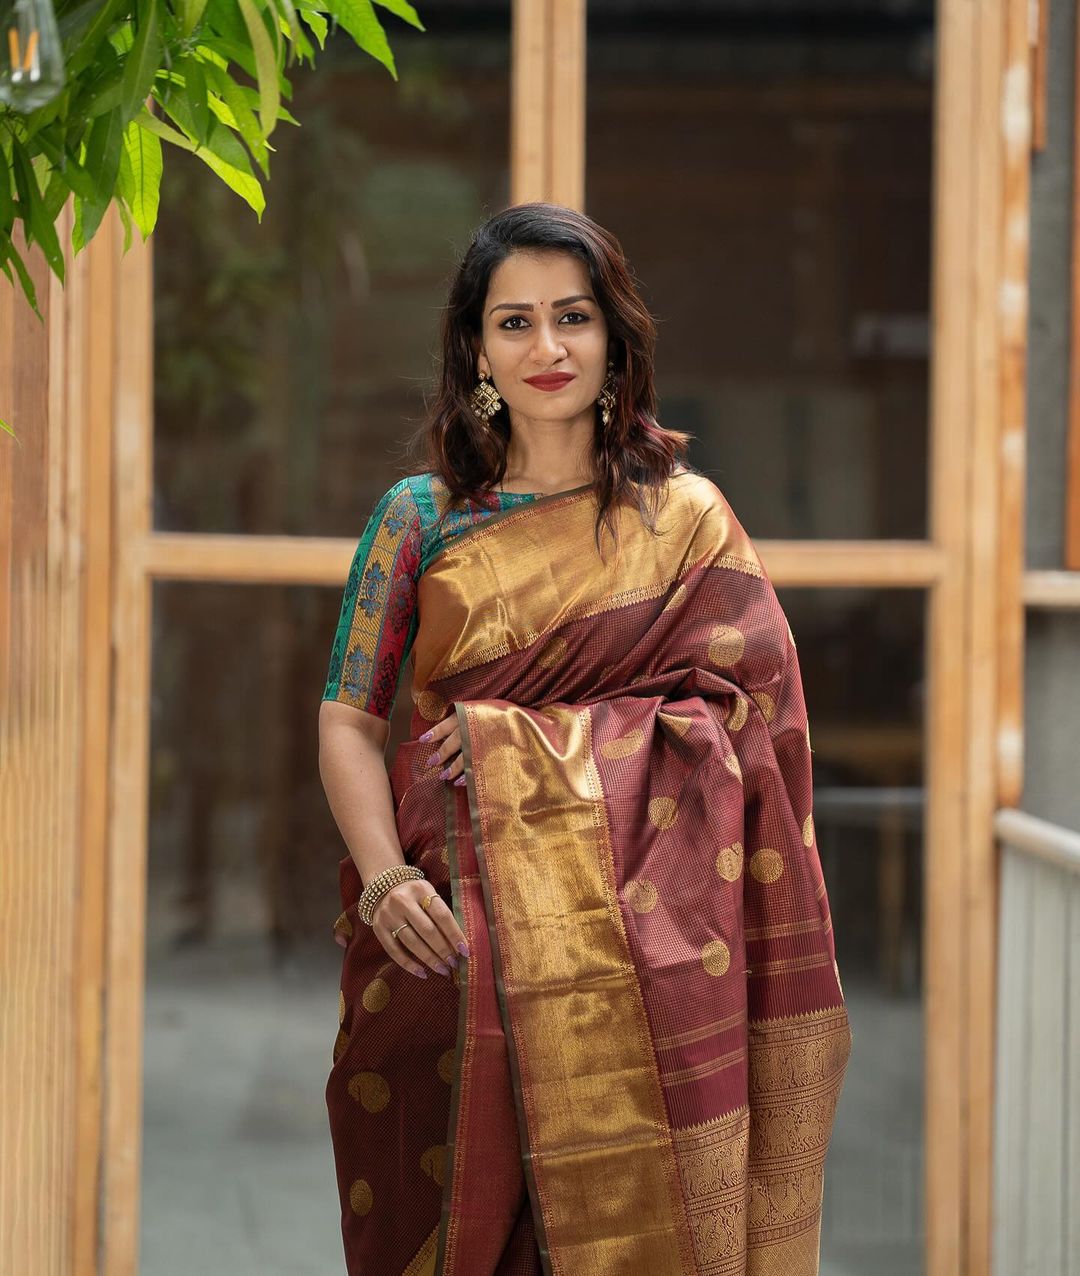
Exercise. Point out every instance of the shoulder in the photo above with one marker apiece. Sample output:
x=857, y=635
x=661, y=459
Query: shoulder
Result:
x=399, y=500
x=394, y=513
x=695, y=491
x=697, y=498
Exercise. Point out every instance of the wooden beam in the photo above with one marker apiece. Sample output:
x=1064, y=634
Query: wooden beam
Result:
x=319, y=560
x=1072, y=453
x=40, y=829
x=130, y=325
x=977, y=93
x=1012, y=107
x=87, y=376
x=530, y=177
x=1040, y=39
x=566, y=119
x=547, y=102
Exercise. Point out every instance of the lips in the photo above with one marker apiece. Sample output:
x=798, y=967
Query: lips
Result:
x=550, y=380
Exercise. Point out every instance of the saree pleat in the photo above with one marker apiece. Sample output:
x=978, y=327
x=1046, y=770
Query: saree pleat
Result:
x=637, y=1068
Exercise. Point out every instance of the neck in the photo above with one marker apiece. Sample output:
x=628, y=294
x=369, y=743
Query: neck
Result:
x=550, y=454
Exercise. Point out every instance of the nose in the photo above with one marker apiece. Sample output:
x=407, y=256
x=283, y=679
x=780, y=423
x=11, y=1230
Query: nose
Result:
x=548, y=345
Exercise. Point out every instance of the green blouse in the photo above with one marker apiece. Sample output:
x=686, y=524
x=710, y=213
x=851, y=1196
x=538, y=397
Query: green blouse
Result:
x=379, y=617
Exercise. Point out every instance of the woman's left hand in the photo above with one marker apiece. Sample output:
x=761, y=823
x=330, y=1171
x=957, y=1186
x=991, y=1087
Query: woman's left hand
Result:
x=445, y=739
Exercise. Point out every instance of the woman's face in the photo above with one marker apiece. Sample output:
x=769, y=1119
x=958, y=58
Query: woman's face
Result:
x=541, y=316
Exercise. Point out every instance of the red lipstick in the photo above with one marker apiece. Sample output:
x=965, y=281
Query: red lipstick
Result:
x=551, y=380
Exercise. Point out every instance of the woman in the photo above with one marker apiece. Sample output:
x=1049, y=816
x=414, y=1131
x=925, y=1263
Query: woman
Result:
x=632, y=1055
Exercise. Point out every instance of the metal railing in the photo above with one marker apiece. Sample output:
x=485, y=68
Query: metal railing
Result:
x=1037, y=1087
x=1050, y=842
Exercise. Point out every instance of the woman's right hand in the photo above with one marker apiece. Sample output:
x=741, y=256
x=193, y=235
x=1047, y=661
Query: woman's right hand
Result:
x=433, y=937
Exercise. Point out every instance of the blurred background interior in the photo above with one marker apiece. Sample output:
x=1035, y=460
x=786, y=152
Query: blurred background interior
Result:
x=767, y=167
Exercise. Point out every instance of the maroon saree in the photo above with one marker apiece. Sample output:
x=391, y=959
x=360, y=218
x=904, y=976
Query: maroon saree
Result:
x=637, y=1068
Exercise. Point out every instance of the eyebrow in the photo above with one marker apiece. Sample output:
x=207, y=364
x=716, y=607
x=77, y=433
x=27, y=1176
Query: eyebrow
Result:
x=527, y=305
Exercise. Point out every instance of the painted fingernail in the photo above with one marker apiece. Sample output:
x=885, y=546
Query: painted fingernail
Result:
x=433, y=759
x=451, y=960
x=461, y=779
x=420, y=973
x=442, y=968
x=444, y=774
x=427, y=735
x=463, y=948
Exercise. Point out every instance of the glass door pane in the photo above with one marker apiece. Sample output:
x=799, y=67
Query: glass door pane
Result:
x=774, y=199
x=292, y=357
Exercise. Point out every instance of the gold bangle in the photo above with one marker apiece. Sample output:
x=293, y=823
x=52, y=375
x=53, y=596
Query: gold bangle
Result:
x=380, y=884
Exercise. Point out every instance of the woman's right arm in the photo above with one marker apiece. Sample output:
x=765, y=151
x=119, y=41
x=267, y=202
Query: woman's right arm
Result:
x=352, y=747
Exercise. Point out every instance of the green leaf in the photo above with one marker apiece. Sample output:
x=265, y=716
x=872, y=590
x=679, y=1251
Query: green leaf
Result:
x=191, y=12
x=32, y=210
x=125, y=217
x=243, y=183
x=56, y=195
x=250, y=95
x=291, y=23
x=317, y=23
x=27, y=282
x=405, y=11
x=266, y=62
x=191, y=69
x=86, y=50
x=242, y=114
x=358, y=18
x=142, y=62
x=78, y=242
x=67, y=166
x=142, y=157
x=7, y=204
x=224, y=155
x=103, y=146
x=98, y=88
x=145, y=119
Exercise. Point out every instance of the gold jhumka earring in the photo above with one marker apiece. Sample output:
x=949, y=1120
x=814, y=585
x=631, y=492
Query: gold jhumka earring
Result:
x=485, y=399
x=606, y=398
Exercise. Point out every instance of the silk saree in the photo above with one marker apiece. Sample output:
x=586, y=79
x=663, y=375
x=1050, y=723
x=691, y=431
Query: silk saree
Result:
x=636, y=1069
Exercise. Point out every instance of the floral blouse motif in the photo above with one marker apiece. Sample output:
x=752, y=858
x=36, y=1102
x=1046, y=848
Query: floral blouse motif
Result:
x=379, y=617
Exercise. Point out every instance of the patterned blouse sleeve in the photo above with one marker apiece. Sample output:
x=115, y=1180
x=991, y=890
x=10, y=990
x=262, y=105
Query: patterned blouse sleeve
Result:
x=378, y=611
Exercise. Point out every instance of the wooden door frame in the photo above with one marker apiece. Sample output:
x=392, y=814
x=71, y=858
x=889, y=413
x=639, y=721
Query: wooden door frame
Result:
x=970, y=566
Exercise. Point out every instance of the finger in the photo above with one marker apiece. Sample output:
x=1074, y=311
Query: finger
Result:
x=442, y=915
x=418, y=945
x=420, y=936
x=441, y=749
x=393, y=950
x=341, y=941
x=449, y=756
x=434, y=934
x=396, y=948
x=441, y=729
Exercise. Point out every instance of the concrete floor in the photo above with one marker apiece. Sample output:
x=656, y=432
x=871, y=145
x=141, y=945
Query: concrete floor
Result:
x=237, y=1168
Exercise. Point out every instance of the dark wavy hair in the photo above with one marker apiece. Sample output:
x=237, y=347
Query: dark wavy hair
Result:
x=633, y=456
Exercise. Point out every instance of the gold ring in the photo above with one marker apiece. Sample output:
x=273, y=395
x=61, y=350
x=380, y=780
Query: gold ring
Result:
x=393, y=933
x=426, y=903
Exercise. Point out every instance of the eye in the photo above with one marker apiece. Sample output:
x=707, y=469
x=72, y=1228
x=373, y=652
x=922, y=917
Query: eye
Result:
x=570, y=313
